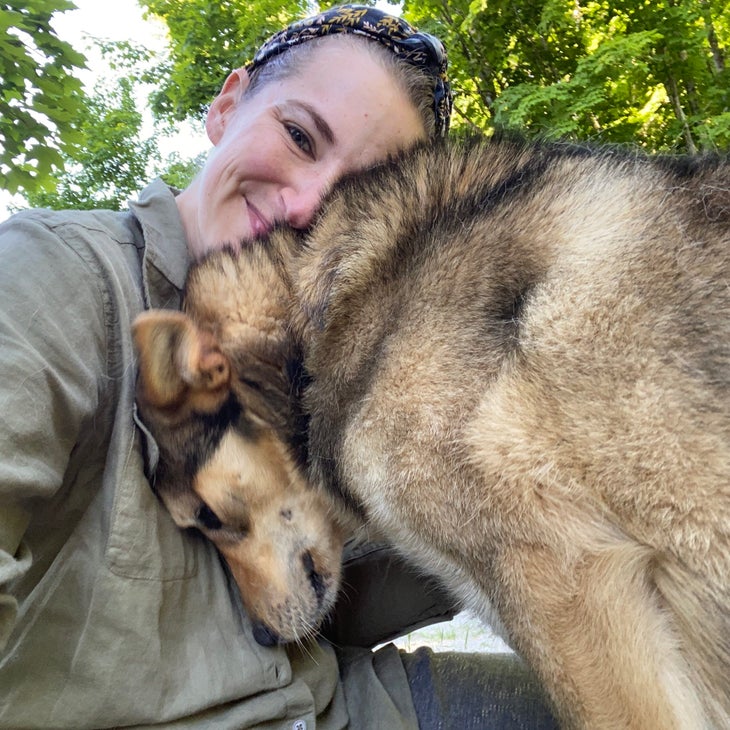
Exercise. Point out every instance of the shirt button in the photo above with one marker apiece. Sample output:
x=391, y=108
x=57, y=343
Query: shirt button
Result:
x=299, y=725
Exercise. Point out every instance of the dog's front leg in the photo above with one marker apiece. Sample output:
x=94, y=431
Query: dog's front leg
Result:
x=593, y=627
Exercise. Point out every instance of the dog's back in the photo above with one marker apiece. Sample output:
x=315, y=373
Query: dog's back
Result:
x=521, y=360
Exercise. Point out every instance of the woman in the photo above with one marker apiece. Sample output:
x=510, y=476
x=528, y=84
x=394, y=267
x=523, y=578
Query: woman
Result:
x=110, y=616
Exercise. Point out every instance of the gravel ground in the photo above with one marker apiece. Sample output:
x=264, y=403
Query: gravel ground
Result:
x=463, y=633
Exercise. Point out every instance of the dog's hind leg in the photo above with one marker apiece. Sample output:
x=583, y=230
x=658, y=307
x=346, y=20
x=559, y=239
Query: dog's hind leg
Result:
x=594, y=628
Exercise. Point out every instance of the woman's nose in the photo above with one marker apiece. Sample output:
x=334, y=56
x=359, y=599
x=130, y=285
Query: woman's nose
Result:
x=300, y=204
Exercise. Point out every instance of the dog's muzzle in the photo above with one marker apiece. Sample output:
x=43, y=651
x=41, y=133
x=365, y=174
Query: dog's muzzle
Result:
x=264, y=635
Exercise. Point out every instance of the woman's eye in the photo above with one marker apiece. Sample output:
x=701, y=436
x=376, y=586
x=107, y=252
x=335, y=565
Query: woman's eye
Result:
x=300, y=139
x=208, y=518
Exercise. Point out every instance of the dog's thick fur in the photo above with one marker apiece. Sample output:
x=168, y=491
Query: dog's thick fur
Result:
x=520, y=374
x=214, y=389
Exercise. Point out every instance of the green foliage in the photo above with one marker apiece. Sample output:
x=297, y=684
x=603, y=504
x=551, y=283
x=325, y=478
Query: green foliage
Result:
x=208, y=39
x=39, y=96
x=178, y=172
x=651, y=73
x=118, y=155
x=114, y=158
x=645, y=72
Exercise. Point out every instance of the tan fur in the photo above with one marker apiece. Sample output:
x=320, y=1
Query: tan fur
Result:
x=520, y=363
x=278, y=535
x=284, y=519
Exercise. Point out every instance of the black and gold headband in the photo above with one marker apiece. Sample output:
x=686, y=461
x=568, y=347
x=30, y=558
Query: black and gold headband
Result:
x=422, y=50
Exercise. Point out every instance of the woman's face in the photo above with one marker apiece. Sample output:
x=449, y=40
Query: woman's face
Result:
x=279, y=149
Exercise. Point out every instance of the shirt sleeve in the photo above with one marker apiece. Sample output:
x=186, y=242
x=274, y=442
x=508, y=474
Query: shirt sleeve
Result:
x=52, y=367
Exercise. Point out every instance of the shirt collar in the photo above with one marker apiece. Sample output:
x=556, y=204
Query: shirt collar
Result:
x=166, y=249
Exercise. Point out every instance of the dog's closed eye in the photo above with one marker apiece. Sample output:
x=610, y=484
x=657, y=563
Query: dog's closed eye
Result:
x=207, y=518
x=250, y=383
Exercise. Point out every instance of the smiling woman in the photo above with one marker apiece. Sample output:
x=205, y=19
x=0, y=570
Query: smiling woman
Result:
x=95, y=576
x=277, y=150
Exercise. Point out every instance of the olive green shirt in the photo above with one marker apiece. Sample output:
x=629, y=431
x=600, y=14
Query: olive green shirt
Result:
x=110, y=616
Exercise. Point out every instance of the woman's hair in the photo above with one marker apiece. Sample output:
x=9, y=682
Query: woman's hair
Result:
x=416, y=61
x=417, y=85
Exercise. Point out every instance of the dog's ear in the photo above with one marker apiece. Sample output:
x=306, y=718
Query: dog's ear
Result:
x=179, y=364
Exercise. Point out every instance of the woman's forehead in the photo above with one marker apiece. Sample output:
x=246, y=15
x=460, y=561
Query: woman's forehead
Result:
x=324, y=51
x=376, y=28
x=343, y=79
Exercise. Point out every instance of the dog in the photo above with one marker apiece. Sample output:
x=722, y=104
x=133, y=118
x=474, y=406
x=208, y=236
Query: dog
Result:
x=517, y=364
x=213, y=388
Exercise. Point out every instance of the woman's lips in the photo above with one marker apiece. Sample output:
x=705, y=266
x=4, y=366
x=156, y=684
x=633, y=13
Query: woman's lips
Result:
x=260, y=227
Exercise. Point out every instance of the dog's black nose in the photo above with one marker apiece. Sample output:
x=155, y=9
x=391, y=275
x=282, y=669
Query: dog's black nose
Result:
x=316, y=580
x=264, y=635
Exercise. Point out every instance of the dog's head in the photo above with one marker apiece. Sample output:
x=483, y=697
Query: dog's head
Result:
x=225, y=428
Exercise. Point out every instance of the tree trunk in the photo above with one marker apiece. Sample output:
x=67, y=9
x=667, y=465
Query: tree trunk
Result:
x=671, y=86
x=718, y=57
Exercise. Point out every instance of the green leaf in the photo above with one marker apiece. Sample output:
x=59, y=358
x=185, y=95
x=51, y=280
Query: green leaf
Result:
x=36, y=71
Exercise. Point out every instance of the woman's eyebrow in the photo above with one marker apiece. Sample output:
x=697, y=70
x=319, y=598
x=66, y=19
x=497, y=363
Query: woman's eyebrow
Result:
x=324, y=129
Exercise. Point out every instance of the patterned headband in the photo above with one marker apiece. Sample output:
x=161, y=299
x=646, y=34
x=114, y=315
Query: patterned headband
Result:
x=422, y=50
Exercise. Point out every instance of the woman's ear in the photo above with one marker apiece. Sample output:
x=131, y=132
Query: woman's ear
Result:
x=223, y=105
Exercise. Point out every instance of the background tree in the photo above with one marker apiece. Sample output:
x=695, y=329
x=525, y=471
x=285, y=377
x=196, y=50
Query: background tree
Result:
x=107, y=169
x=40, y=97
x=120, y=152
x=209, y=38
x=651, y=73
x=628, y=71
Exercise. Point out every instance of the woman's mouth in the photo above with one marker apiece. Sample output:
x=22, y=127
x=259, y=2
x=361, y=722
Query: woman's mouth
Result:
x=260, y=227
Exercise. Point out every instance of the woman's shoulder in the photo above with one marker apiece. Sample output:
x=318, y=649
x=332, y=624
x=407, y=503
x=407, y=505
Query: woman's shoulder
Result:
x=72, y=244
x=92, y=227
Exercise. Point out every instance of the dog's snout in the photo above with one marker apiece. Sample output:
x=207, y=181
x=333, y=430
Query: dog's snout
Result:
x=264, y=635
x=315, y=578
